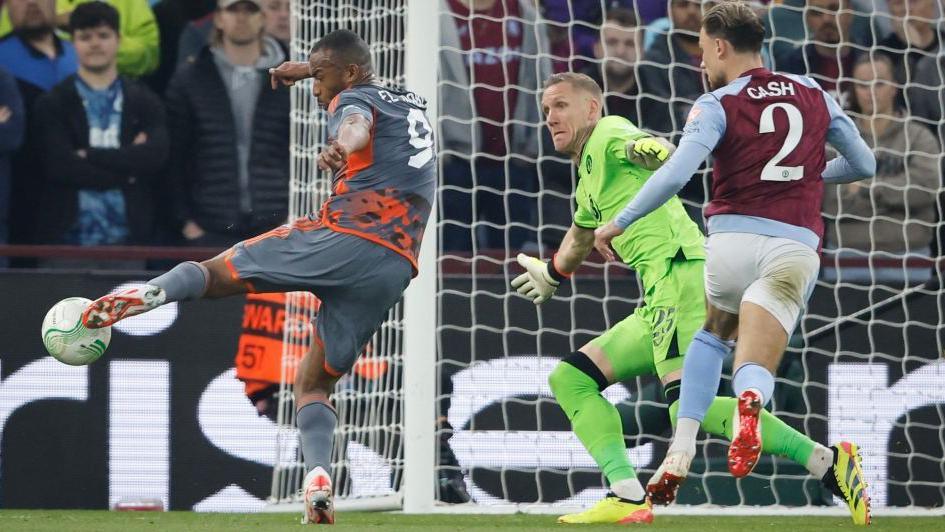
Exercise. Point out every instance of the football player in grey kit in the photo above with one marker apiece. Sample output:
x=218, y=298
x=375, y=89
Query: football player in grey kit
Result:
x=357, y=254
x=767, y=132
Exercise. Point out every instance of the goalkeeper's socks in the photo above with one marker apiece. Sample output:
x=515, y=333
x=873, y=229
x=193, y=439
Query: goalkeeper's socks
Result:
x=754, y=377
x=316, y=422
x=186, y=281
x=821, y=458
x=702, y=371
x=629, y=489
x=594, y=420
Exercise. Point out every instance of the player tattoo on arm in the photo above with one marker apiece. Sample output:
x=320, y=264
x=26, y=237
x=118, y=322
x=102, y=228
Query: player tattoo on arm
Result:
x=354, y=133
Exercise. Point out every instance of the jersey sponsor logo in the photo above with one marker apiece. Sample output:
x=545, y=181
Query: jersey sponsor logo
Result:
x=774, y=88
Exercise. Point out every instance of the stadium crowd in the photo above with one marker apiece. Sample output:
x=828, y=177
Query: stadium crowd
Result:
x=129, y=122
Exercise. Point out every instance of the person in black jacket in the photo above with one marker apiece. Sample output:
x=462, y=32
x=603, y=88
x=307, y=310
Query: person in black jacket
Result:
x=230, y=133
x=104, y=141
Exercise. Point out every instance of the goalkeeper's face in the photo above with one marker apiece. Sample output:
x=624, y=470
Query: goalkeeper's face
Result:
x=569, y=112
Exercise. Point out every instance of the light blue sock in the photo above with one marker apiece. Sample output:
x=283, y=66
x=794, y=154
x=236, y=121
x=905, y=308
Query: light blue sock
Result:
x=752, y=375
x=702, y=371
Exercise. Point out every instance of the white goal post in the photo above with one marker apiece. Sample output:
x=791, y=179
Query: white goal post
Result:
x=865, y=364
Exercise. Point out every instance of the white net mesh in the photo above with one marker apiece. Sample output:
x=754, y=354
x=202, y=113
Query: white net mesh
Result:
x=869, y=377
x=866, y=361
x=368, y=461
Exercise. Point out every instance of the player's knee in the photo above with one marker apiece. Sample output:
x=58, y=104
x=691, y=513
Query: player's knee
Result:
x=576, y=364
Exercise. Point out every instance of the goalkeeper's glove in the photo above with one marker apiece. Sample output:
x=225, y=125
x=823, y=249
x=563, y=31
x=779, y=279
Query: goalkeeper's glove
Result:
x=539, y=281
x=650, y=152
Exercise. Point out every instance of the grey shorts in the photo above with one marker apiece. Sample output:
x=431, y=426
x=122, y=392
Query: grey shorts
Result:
x=356, y=280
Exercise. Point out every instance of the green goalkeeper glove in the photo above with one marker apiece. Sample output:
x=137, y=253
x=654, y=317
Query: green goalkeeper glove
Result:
x=537, y=282
x=650, y=152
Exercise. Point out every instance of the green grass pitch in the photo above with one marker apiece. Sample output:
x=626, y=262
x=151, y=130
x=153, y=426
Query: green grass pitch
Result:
x=101, y=521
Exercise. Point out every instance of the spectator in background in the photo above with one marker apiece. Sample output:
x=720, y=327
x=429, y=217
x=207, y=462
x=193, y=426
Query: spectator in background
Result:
x=671, y=72
x=573, y=32
x=105, y=141
x=490, y=131
x=670, y=82
x=38, y=59
x=618, y=49
x=138, y=54
x=12, y=126
x=230, y=133
x=914, y=36
x=279, y=21
x=894, y=213
x=831, y=54
x=172, y=17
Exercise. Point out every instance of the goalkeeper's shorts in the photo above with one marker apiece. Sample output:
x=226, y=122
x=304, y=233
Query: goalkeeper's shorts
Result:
x=356, y=280
x=653, y=340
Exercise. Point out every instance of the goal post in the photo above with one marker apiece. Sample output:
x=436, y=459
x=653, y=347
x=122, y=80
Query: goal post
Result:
x=866, y=361
x=420, y=308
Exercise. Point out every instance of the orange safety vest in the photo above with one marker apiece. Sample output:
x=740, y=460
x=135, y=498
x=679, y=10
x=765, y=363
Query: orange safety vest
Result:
x=260, y=352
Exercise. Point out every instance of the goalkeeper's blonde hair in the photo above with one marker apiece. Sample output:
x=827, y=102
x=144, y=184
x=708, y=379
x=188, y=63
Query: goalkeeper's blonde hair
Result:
x=578, y=81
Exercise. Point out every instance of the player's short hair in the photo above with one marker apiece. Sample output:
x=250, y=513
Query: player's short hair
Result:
x=621, y=16
x=736, y=23
x=92, y=15
x=348, y=47
x=578, y=81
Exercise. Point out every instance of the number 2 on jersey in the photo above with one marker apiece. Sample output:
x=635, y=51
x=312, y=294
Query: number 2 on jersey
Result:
x=422, y=140
x=772, y=171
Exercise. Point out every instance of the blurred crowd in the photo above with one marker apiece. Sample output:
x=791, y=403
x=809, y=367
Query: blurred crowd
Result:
x=152, y=123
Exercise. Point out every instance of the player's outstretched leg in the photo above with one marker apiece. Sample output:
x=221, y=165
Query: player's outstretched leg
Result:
x=316, y=420
x=576, y=383
x=837, y=467
x=185, y=282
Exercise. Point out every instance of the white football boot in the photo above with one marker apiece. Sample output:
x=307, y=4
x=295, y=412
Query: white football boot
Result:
x=664, y=484
x=107, y=310
x=317, y=497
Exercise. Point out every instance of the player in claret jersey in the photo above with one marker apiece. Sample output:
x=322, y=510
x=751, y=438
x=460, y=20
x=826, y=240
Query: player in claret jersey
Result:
x=767, y=132
x=357, y=254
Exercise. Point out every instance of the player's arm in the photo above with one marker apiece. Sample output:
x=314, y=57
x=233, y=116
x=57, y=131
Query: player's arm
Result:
x=703, y=131
x=541, y=278
x=288, y=73
x=354, y=133
x=856, y=160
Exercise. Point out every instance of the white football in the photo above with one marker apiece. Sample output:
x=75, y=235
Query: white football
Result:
x=67, y=340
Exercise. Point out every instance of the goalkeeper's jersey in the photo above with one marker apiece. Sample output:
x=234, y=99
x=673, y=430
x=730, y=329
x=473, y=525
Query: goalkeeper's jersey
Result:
x=385, y=190
x=608, y=181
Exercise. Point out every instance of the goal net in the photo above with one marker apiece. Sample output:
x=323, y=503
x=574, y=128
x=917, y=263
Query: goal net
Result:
x=865, y=363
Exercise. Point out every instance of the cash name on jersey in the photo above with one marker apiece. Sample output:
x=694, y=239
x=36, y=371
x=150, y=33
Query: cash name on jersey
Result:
x=774, y=88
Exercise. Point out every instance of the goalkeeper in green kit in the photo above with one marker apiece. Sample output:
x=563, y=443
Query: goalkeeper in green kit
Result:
x=614, y=160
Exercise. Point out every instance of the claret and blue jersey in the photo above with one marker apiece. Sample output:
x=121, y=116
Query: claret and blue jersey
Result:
x=767, y=133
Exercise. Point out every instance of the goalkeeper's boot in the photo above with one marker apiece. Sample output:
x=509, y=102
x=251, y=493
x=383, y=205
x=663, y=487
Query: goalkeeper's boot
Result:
x=317, y=497
x=745, y=449
x=107, y=310
x=845, y=479
x=612, y=509
x=671, y=474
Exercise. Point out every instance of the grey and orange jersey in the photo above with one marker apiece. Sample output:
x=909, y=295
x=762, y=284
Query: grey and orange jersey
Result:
x=385, y=191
